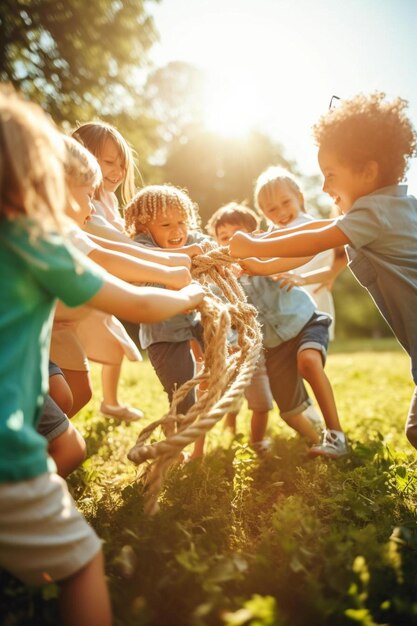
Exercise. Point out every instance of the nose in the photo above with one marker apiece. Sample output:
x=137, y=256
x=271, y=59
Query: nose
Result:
x=325, y=186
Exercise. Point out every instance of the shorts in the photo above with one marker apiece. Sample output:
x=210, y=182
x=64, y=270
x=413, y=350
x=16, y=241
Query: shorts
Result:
x=53, y=421
x=287, y=386
x=258, y=392
x=43, y=537
x=54, y=370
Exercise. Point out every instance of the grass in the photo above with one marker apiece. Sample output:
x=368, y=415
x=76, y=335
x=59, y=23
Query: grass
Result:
x=242, y=541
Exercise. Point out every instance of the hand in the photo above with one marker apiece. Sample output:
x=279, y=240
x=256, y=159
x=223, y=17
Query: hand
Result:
x=193, y=249
x=254, y=267
x=177, y=277
x=193, y=295
x=240, y=245
x=287, y=280
x=179, y=259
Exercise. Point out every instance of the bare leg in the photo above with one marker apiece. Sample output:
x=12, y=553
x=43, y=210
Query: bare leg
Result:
x=80, y=385
x=68, y=451
x=310, y=366
x=259, y=422
x=230, y=422
x=304, y=427
x=110, y=375
x=411, y=425
x=60, y=392
x=84, y=599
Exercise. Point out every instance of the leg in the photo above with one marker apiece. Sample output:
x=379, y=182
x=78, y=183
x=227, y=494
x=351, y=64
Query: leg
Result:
x=411, y=425
x=110, y=375
x=230, y=421
x=310, y=366
x=60, y=392
x=84, y=598
x=258, y=425
x=68, y=451
x=288, y=388
x=80, y=385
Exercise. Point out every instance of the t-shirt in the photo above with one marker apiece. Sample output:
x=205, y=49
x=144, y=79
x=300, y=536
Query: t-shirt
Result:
x=382, y=228
x=35, y=271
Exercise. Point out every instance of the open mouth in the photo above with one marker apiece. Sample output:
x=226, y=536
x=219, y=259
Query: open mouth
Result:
x=176, y=242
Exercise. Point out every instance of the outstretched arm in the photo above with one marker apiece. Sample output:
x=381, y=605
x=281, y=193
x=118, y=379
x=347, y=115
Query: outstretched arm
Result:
x=306, y=243
x=266, y=267
x=144, y=304
x=137, y=270
x=281, y=232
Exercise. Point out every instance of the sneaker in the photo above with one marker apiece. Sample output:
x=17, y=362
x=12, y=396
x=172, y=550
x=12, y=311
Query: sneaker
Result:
x=334, y=445
x=123, y=413
x=262, y=447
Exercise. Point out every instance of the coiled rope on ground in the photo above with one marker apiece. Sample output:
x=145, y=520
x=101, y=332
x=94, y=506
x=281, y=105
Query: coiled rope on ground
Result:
x=224, y=375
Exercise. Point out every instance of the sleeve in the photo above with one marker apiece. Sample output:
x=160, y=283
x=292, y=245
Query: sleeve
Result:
x=62, y=270
x=361, y=225
x=82, y=241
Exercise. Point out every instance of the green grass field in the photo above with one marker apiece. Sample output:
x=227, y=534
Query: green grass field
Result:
x=239, y=541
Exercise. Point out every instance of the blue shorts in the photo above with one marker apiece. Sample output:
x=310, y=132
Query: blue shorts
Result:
x=53, y=421
x=287, y=386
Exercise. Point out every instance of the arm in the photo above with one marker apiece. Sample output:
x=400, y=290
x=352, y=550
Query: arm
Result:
x=144, y=304
x=266, y=267
x=136, y=270
x=308, y=242
x=323, y=277
x=296, y=229
x=108, y=237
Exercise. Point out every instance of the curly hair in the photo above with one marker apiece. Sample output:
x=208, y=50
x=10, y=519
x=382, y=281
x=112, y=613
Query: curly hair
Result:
x=154, y=200
x=233, y=214
x=370, y=128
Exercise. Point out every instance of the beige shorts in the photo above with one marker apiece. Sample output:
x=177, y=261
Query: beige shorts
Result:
x=43, y=537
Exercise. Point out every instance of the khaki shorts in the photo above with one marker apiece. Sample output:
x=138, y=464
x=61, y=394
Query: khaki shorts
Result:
x=43, y=537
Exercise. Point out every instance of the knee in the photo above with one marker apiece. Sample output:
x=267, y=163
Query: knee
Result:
x=411, y=434
x=309, y=362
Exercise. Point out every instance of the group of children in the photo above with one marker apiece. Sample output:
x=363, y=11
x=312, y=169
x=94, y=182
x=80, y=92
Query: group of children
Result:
x=63, y=237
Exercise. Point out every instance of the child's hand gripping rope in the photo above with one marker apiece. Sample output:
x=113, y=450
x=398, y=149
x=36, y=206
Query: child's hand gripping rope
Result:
x=225, y=375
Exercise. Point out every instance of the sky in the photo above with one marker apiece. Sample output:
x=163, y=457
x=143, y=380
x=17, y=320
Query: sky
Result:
x=274, y=64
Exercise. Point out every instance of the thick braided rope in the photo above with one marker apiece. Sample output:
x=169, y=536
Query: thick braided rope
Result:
x=224, y=375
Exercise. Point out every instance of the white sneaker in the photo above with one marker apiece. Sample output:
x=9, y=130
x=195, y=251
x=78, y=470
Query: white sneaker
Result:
x=334, y=445
x=262, y=447
x=122, y=413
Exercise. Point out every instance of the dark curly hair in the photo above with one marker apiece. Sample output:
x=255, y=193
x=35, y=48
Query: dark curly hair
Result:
x=370, y=128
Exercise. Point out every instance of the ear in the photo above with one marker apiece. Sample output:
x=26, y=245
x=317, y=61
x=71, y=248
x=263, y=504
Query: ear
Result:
x=371, y=171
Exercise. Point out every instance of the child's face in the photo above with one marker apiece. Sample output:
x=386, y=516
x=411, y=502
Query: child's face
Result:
x=281, y=204
x=169, y=230
x=343, y=184
x=83, y=195
x=111, y=165
x=225, y=232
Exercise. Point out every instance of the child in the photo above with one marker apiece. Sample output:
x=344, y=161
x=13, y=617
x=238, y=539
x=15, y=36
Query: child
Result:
x=42, y=535
x=295, y=341
x=220, y=226
x=68, y=340
x=364, y=150
x=161, y=216
x=104, y=338
x=279, y=198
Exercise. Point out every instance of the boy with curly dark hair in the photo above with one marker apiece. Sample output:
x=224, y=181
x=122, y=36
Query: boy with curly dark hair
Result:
x=365, y=145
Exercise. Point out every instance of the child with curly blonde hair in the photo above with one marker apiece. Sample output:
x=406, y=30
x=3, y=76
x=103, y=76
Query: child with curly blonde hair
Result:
x=365, y=145
x=165, y=217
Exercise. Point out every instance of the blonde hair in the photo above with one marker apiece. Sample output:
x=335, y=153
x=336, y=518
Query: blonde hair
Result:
x=93, y=135
x=154, y=200
x=233, y=214
x=369, y=128
x=32, y=156
x=81, y=167
x=268, y=181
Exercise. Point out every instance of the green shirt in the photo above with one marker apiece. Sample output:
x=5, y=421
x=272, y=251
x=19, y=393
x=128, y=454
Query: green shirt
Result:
x=33, y=273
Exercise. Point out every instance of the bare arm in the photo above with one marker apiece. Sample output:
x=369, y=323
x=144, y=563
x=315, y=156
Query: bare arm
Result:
x=306, y=243
x=109, y=237
x=134, y=270
x=144, y=304
x=281, y=232
x=261, y=267
x=323, y=277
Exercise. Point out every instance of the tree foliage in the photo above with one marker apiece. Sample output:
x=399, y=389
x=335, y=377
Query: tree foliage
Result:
x=76, y=58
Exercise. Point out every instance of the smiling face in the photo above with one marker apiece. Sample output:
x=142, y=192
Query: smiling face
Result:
x=83, y=195
x=169, y=229
x=280, y=203
x=344, y=184
x=224, y=232
x=112, y=165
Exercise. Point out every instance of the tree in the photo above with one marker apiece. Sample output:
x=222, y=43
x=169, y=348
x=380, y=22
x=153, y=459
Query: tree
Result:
x=76, y=58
